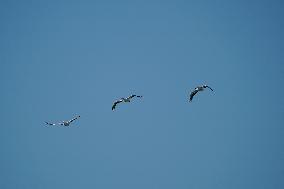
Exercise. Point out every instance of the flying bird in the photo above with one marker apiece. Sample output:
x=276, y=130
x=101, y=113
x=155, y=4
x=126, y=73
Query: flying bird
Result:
x=197, y=89
x=64, y=123
x=124, y=100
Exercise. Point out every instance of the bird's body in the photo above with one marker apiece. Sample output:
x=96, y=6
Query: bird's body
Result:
x=124, y=100
x=197, y=89
x=64, y=123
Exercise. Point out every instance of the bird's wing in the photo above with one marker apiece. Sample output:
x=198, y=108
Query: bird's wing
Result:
x=49, y=123
x=115, y=103
x=209, y=88
x=131, y=96
x=192, y=94
x=73, y=119
x=113, y=106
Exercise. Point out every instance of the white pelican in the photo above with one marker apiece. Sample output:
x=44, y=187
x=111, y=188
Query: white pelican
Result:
x=124, y=100
x=197, y=89
x=64, y=123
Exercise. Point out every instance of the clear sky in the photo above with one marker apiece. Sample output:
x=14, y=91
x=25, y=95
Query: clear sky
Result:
x=59, y=59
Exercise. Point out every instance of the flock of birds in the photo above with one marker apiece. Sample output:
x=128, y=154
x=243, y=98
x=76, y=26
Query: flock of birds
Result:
x=192, y=94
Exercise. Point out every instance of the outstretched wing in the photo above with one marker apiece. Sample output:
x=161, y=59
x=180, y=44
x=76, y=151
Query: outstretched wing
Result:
x=50, y=123
x=192, y=94
x=138, y=96
x=131, y=96
x=115, y=103
x=74, y=119
x=209, y=87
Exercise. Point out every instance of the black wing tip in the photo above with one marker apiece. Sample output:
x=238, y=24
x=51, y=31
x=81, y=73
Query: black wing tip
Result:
x=47, y=123
x=113, y=107
x=206, y=86
x=210, y=88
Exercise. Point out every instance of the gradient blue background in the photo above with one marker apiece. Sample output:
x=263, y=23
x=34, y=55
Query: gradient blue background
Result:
x=59, y=59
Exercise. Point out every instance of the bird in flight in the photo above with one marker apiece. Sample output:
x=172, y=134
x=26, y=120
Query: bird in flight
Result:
x=197, y=89
x=64, y=123
x=124, y=100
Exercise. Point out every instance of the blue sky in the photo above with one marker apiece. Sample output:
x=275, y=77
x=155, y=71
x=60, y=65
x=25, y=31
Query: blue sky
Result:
x=59, y=59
